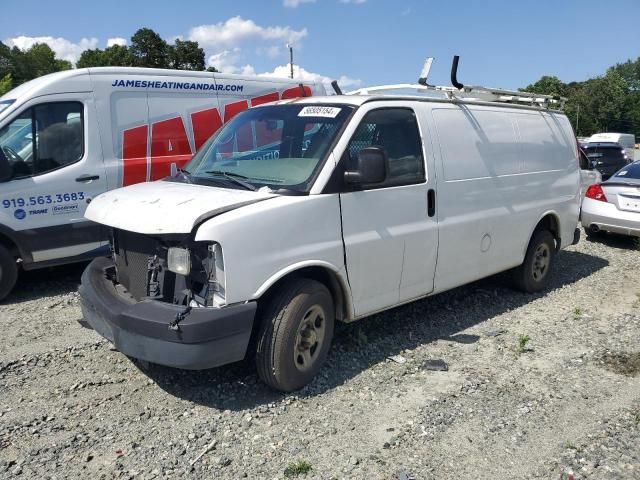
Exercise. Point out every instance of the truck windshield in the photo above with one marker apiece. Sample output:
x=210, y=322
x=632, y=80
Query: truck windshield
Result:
x=279, y=146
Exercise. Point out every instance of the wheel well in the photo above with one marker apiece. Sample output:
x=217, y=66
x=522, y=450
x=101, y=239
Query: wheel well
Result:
x=9, y=245
x=550, y=222
x=323, y=275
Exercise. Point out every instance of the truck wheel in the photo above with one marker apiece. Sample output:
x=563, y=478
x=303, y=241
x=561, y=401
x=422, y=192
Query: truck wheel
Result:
x=533, y=275
x=8, y=272
x=295, y=335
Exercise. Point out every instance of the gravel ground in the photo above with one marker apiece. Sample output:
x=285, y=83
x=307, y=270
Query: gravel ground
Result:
x=543, y=386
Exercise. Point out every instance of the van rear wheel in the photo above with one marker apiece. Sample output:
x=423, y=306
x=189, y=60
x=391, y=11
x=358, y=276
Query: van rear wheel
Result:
x=8, y=272
x=295, y=336
x=533, y=275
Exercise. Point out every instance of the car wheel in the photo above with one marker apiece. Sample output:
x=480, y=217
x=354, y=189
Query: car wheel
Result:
x=593, y=234
x=295, y=335
x=533, y=275
x=8, y=272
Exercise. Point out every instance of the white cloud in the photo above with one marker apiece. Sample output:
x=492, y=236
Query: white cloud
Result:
x=299, y=73
x=225, y=61
x=236, y=30
x=295, y=3
x=116, y=41
x=62, y=47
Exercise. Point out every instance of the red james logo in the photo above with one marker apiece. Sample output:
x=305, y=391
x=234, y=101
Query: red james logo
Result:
x=169, y=141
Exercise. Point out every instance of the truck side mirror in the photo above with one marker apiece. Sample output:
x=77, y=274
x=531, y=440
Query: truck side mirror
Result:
x=6, y=170
x=372, y=167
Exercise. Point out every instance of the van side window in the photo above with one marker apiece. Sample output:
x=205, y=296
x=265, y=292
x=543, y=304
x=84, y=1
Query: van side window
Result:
x=44, y=138
x=396, y=131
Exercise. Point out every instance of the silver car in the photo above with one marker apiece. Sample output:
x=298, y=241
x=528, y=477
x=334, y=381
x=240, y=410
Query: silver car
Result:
x=614, y=205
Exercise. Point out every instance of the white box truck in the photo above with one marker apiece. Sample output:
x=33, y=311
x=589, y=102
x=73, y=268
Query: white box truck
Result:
x=67, y=137
x=304, y=212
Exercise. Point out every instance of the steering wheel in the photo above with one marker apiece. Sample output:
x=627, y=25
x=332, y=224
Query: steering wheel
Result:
x=11, y=154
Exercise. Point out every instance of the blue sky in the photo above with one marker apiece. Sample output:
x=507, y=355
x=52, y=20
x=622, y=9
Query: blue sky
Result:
x=502, y=43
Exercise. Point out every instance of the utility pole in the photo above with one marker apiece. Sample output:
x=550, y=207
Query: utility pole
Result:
x=290, y=47
x=578, y=120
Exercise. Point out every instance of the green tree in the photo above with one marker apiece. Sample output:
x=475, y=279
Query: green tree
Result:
x=5, y=84
x=149, y=49
x=91, y=58
x=5, y=60
x=186, y=55
x=42, y=60
x=547, y=85
x=113, y=56
x=118, y=56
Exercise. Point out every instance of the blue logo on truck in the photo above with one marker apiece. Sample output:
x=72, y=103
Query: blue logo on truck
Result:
x=20, y=214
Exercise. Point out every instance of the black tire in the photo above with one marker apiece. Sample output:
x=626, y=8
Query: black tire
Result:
x=299, y=316
x=8, y=272
x=534, y=273
x=593, y=235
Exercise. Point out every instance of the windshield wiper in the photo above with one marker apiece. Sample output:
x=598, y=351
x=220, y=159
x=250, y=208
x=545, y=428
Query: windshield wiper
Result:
x=184, y=174
x=235, y=177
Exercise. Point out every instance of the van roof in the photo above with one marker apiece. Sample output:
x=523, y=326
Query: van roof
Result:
x=81, y=79
x=358, y=100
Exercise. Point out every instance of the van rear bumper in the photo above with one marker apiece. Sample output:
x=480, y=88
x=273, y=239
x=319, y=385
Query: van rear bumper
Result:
x=206, y=338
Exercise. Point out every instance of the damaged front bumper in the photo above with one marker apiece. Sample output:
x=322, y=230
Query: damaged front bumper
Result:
x=205, y=338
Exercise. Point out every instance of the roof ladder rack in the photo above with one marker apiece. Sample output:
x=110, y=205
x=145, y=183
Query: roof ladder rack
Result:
x=460, y=91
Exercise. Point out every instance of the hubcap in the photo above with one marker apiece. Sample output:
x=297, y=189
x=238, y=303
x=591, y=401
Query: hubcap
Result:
x=541, y=259
x=309, y=338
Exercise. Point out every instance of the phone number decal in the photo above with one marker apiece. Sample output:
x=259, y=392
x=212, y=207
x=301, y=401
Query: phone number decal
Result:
x=21, y=202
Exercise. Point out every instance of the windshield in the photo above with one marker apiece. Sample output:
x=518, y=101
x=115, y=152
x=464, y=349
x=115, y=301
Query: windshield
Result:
x=631, y=171
x=4, y=104
x=279, y=146
x=607, y=155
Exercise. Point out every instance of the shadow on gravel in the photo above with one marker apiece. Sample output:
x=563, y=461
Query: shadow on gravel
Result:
x=51, y=281
x=613, y=240
x=359, y=345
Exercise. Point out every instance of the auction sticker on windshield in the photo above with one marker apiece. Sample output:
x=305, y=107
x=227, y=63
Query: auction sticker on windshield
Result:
x=317, y=111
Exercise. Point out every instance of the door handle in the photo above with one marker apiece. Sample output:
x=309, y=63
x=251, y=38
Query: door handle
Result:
x=431, y=202
x=87, y=178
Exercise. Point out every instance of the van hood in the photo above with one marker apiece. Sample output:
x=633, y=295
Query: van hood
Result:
x=166, y=207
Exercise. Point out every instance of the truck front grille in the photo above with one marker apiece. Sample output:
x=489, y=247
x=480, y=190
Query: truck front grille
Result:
x=132, y=253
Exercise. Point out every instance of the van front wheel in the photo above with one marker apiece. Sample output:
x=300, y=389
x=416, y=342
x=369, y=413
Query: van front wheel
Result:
x=533, y=275
x=8, y=272
x=295, y=336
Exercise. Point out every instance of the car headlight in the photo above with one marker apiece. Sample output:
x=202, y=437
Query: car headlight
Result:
x=179, y=260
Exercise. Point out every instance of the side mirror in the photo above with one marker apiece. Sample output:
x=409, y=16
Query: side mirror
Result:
x=6, y=170
x=372, y=167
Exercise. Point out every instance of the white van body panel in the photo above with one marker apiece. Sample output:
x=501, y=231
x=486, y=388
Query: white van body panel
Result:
x=488, y=204
x=137, y=122
x=266, y=240
x=626, y=140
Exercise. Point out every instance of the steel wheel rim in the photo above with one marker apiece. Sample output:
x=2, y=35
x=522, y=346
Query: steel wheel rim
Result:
x=541, y=260
x=309, y=338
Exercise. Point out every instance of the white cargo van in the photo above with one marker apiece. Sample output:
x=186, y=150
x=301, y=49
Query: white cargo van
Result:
x=69, y=136
x=625, y=140
x=330, y=208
